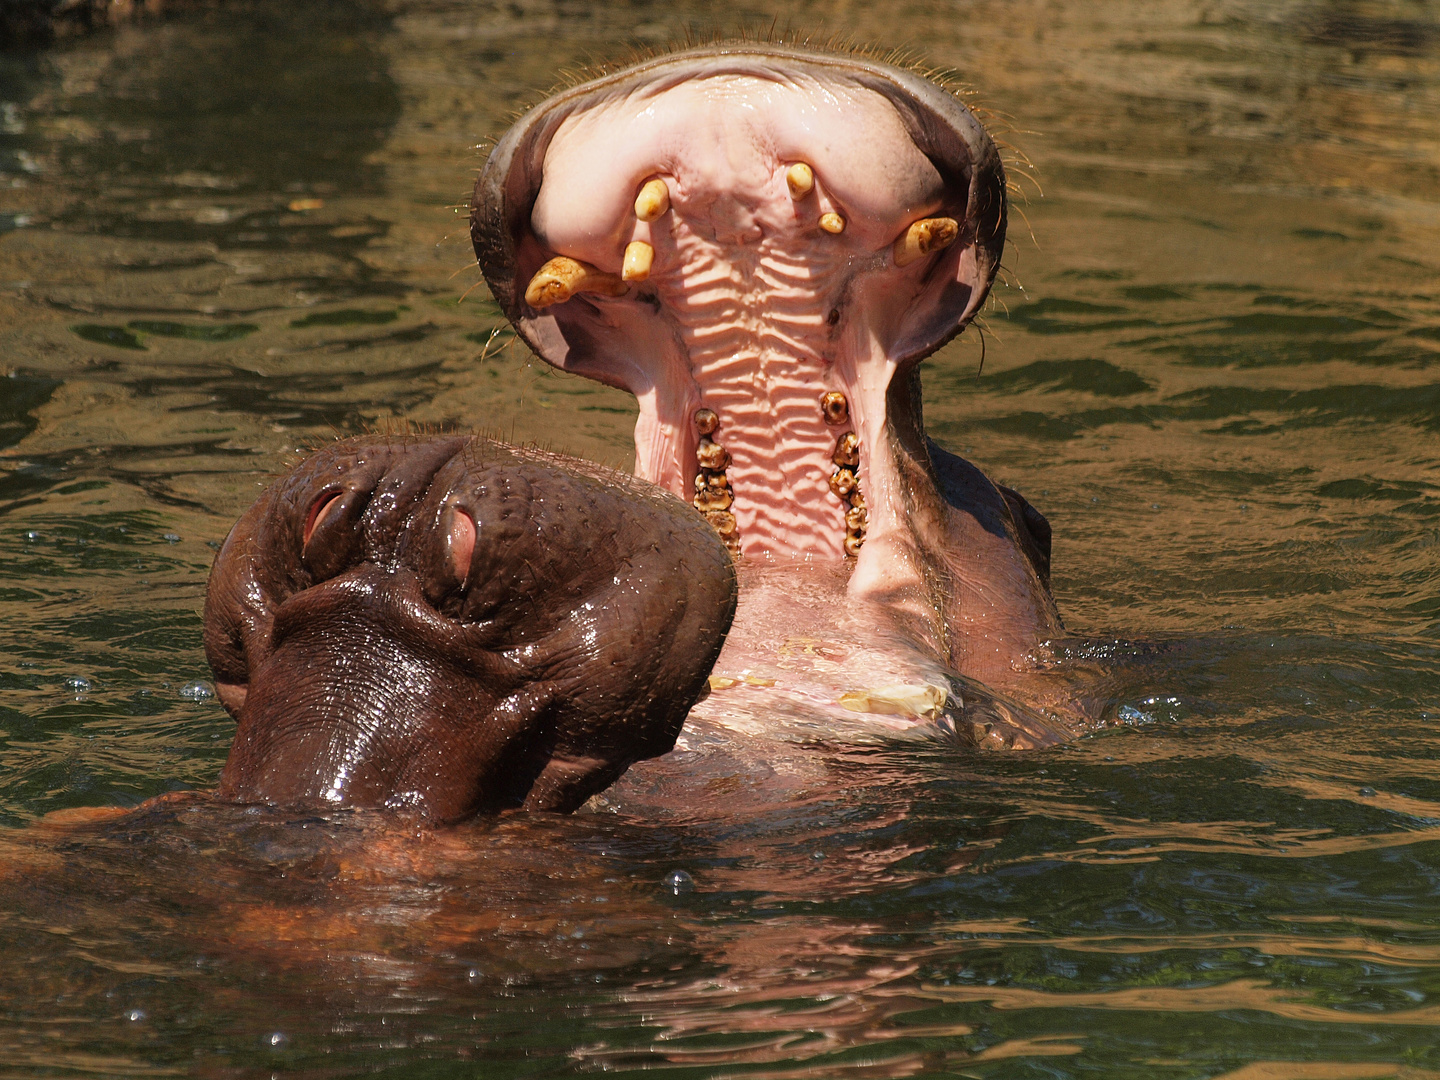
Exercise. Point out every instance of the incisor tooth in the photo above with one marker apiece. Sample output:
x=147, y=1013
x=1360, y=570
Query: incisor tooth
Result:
x=638, y=257
x=561, y=278
x=832, y=223
x=653, y=200
x=800, y=179
x=923, y=237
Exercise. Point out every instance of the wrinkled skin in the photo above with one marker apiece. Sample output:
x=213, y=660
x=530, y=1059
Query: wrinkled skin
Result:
x=753, y=309
x=446, y=625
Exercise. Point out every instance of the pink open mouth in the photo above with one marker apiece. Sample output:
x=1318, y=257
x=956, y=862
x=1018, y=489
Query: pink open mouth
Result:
x=760, y=244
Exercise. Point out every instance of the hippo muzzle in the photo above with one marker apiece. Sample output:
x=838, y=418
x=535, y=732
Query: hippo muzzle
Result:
x=448, y=626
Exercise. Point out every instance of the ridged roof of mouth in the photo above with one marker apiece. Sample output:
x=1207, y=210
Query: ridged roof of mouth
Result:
x=744, y=229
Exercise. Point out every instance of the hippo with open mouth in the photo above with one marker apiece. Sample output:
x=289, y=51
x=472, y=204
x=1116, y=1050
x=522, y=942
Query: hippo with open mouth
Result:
x=761, y=243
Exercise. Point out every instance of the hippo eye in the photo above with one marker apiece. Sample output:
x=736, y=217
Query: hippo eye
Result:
x=325, y=504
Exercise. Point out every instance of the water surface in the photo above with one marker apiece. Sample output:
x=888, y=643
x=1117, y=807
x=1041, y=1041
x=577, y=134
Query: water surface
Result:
x=1212, y=364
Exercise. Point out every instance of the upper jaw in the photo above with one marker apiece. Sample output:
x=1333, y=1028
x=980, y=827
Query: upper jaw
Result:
x=752, y=306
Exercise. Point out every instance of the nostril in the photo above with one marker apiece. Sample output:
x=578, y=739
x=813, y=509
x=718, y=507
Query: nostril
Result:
x=324, y=505
x=462, y=544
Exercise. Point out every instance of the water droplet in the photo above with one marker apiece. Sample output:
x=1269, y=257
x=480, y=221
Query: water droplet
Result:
x=678, y=881
x=32, y=536
x=1367, y=792
x=199, y=690
x=78, y=683
x=276, y=1039
x=171, y=538
x=474, y=975
x=135, y=1015
x=817, y=855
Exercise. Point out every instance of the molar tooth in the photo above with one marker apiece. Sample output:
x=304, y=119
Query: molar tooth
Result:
x=923, y=237
x=800, y=178
x=723, y=522
x=562, y=277
x=832, y=223
x=853, y=544
x=856, y=519
x=843, y=483
x=857, y=501
x=847, y=450
x=835, y=408
x=713, y=499
x=711, y=455
x=653, y=200
x=638, y=257
x=706, y=422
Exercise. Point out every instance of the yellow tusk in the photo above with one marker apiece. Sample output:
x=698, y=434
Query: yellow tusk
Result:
x=653, y=200
x=832, y=223
x=561, y=278
x=638, y=257
x=923, y=237
x=800, y=178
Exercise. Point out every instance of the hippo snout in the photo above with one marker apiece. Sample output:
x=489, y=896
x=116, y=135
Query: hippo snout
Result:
x=453, y=626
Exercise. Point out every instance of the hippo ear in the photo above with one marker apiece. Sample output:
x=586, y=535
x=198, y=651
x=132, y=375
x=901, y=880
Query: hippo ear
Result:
x=230, y=619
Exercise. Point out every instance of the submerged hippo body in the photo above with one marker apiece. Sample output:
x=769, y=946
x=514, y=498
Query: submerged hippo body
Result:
x=762, y=243
x=448, y=625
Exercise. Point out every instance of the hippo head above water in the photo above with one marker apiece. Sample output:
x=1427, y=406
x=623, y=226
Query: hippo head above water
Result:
x=761, y=244
x=449, y=625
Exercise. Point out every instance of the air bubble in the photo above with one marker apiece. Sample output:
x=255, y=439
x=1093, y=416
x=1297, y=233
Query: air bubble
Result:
x=1367, y=792
x=32, y=536
x=171, y=538
x=678, y=881
x=135, y=1015
x=199, y=690
x=78, y=683
x=276, y=1039
x=1130, y=715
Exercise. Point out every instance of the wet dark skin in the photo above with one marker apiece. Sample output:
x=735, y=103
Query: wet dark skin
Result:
x=447, y=626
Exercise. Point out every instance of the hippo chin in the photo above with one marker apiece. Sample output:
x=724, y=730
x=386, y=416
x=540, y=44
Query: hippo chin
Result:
x=762, y=244
x=448, y=625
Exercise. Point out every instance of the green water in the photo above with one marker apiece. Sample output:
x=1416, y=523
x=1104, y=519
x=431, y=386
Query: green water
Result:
x=226, y=237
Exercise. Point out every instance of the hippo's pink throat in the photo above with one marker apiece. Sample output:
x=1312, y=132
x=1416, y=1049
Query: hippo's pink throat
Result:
x=754, y=243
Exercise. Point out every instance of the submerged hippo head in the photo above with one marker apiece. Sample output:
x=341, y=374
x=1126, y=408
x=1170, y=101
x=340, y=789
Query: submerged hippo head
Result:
x=762, y=243
x=450, y=625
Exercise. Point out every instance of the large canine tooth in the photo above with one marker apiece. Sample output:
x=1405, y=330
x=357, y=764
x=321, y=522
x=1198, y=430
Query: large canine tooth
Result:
x=653, y=200
x=562, y=277
x=923, y=237
x=638, y=257
x=800, y=179
x=832, y=223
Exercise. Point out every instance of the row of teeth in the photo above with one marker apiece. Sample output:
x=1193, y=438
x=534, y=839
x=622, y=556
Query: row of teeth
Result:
x=563, y=277
x=714, y=498
x=845, y=481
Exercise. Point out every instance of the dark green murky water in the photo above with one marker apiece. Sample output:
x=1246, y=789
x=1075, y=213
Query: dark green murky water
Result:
x=1214, y=367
